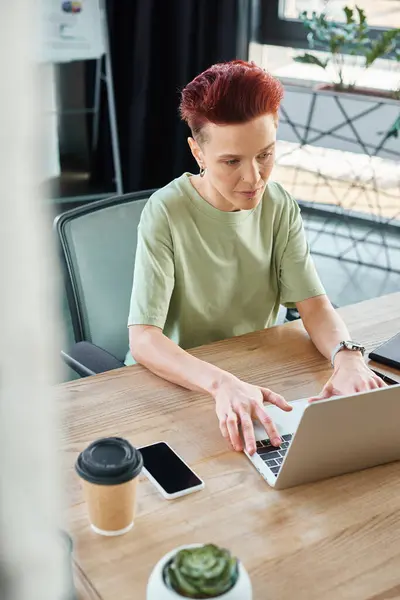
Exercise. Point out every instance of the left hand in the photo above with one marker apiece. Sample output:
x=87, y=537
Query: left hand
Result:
x=351, y=375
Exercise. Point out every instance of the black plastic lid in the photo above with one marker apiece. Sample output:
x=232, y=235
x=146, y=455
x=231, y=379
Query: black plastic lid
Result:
x=109, y=461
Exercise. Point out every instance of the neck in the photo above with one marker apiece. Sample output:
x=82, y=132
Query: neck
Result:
x=210, y=194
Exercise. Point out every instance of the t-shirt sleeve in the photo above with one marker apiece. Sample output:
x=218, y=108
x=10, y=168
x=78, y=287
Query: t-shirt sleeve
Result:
x=299, y=279
x=154, y=273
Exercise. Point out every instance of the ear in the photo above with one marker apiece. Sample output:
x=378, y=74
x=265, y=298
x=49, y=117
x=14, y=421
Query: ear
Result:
x=197, y=152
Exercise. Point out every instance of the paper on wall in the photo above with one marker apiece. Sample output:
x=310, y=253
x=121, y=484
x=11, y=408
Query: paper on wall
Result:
x=71, y=30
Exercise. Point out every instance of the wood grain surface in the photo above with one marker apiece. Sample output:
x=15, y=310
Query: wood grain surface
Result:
x=335, y=539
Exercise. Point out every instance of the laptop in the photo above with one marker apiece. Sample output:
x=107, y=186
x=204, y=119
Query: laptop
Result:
x=330, y=437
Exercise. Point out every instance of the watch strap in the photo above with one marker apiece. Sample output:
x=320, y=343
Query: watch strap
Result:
x=348, y=345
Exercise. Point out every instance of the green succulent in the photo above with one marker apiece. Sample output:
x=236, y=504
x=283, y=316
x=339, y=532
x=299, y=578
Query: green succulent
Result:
x=203, y=572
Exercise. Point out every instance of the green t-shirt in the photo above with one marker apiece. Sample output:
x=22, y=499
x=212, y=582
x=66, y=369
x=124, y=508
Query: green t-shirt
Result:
x=202, y=274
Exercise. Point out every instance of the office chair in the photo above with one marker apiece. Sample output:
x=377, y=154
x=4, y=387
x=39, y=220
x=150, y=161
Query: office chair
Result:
x=98, y=247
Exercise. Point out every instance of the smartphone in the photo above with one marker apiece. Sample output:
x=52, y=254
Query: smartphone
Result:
x=385, y=378
x=388, y=353
x=168, y=472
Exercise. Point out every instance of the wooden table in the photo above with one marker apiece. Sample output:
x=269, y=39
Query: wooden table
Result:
x=335, y=539
x=83, y=587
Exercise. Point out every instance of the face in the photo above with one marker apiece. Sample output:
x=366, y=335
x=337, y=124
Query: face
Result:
x=238, y=160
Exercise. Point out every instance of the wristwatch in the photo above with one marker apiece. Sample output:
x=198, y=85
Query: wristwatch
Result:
x=347, y=345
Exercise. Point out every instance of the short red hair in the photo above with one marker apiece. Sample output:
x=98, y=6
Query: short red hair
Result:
x=228, y=93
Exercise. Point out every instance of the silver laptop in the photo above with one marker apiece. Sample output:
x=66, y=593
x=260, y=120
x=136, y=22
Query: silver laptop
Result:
x=330, y=437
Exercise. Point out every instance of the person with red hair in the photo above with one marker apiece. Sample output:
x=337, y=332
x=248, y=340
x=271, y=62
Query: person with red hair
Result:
x=220, y=251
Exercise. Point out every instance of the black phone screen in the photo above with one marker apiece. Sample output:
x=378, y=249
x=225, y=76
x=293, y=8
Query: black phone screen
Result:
x=388, y=353
x=170, y=472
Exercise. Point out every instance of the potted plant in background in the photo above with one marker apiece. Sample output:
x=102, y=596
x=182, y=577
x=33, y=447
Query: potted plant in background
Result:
x=342, y=115
x=350, y=37
x=199, y=571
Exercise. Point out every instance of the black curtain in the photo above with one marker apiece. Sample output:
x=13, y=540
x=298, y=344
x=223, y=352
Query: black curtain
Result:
x=157, y=46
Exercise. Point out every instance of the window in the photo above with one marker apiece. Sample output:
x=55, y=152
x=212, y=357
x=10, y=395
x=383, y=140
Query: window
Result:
x=385, y=13
x=278, y=22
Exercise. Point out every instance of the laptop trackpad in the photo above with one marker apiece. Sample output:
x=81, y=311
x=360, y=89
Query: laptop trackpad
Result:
x=286, y=422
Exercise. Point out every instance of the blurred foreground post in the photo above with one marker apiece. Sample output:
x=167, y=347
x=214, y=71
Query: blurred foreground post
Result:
x=31, y=558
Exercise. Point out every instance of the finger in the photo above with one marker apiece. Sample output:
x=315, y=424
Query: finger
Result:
x=223, y=428
x=277, y=399
x=232, y=424
x=372, y=384
x=248, y=432
x=380, y=383
x=365, y=386
x=327, y=392
x=269, y=426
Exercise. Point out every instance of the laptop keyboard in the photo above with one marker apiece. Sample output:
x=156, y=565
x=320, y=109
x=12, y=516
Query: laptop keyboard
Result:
x=272, y=455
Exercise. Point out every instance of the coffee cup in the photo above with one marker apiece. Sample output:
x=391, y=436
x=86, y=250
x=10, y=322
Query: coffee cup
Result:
x=109, y=468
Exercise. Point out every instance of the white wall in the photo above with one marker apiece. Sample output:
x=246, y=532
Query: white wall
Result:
x=30, y=552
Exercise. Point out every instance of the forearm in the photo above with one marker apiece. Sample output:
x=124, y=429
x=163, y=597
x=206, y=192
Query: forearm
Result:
x=323, y=324
x=161, y=356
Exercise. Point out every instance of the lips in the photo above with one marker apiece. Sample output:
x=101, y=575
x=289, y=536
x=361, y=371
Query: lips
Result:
x=251, y=193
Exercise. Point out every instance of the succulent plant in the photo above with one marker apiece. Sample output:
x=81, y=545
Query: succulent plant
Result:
x=202, y=572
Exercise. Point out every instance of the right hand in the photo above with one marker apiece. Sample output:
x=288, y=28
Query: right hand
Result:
x=238, y=403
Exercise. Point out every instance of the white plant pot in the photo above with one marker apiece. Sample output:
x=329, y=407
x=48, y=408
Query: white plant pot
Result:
x=157, y=590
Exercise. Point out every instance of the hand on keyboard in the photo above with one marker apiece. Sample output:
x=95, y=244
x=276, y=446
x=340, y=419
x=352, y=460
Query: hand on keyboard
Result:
x=273, y=456
x=237, y=403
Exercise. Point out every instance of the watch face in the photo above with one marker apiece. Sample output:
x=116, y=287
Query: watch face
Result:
x=354, y=346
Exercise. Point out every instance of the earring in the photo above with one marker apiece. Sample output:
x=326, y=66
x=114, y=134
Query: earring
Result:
x=202, y=171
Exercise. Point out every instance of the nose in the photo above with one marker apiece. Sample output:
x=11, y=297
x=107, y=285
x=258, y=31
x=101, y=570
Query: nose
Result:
x=250, y=174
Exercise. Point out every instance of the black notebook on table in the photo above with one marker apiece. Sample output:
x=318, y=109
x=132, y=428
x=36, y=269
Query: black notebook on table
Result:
x=388, y=353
